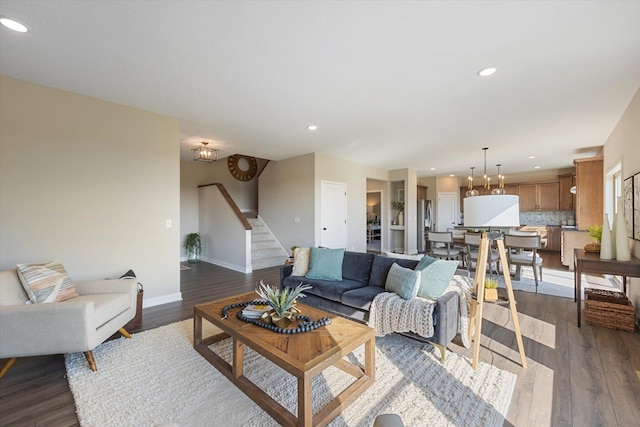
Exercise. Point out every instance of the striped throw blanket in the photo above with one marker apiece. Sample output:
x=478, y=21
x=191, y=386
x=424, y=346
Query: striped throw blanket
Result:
x=391, y=313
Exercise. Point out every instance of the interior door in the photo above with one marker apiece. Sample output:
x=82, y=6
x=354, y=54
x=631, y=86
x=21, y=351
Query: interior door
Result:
x=333, y=214
x=447, y=212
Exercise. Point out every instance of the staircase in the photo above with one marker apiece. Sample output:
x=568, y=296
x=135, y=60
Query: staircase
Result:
x=266, y=251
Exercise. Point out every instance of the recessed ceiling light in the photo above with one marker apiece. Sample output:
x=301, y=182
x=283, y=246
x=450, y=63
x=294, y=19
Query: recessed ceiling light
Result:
x=451, y=175
x=14, y=25
x=531, y=157
x=486, y=72
x=432, y=169
x=536, y=167
x=312, y=127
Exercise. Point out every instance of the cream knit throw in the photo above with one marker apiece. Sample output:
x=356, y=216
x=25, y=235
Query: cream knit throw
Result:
x=391, y=313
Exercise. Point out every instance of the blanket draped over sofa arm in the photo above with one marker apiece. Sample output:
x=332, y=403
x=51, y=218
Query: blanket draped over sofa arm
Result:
x=391, y=313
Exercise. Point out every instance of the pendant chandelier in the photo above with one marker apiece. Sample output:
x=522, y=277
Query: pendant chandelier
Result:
x=471, y=192
x=205, y=154
x=487, y=180
x=500, y=188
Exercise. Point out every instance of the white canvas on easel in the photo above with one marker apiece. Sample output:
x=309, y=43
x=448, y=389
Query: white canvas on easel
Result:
x=478, y=304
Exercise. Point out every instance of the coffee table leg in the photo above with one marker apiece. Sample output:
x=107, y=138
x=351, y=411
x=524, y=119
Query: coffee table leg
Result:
x=197, y=329
x=305, y=410
x=238, y=358
x=370, y=359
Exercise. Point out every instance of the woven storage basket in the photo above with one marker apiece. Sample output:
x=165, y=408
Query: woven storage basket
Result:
x=609, y=309
x=137, y=320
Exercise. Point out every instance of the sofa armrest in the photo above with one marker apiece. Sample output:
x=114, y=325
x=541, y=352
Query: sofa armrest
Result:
x=34, y=329
x=447, y=317
x=112, y=286
x=285, y=271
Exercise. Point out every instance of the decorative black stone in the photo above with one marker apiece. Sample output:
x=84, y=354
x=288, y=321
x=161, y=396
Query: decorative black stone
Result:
x=307, y=323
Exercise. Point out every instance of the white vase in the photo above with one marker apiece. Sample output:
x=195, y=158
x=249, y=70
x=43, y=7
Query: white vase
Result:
x=605, y=240
x=613, y=238
x=623, y=250
x=401, y=218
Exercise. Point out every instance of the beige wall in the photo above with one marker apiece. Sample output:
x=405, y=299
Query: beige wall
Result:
x=624, y=144
x=91, y=183
x=286, y=192
x=193, y=174
x=290, y=189
x=328, y=168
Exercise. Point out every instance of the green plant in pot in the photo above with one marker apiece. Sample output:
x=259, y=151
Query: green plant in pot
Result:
x=282, y=302
x=193, y=247
x=399, y=206
x=490, y=289
x=595, y=231
x=293, y=251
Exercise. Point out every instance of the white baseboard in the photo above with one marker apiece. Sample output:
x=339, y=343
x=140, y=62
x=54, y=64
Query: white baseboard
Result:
x=225, y=264
x=165, y=299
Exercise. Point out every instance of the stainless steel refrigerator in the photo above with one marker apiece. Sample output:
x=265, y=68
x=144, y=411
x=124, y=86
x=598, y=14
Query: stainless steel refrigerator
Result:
x=425, y=215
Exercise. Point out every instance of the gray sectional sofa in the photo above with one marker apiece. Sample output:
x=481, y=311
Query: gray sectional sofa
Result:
x=363, y=277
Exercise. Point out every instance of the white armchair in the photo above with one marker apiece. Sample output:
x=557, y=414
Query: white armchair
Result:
x=78, y=324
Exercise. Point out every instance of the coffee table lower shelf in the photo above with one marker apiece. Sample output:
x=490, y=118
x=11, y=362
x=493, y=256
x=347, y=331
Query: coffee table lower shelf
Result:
x=234, y=372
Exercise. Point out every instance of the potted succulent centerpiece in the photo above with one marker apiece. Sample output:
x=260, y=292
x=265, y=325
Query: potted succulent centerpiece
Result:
x=193, y=247
x=282, y=302
x=491, y=289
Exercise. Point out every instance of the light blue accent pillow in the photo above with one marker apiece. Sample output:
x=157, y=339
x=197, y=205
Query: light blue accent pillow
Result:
x=436, y=276
x=325, y=264
x=403, y=281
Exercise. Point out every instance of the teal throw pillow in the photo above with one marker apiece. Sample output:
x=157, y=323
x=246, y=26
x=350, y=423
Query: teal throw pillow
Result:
x=436, y=276
x=403, y=281
x=425, y=261
x=325, y=264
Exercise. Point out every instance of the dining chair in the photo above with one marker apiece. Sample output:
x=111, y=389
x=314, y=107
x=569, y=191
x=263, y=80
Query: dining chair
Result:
x=441, y=243
x=472, y=243
x=523, y=251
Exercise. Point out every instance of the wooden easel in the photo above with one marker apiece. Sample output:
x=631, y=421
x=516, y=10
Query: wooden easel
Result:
x=477, y=304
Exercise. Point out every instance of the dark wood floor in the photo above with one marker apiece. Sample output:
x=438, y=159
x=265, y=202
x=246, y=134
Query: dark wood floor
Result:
x=587, y=376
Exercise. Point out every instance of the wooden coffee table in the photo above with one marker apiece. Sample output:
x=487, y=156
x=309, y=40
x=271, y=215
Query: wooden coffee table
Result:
x=303, y=355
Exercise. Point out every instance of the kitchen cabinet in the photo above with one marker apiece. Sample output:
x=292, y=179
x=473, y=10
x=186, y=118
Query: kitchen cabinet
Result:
x=570, y=241
x=589, y=202
x=421, y=191
x=567, y=199
x=539, y=197
x=553, y=238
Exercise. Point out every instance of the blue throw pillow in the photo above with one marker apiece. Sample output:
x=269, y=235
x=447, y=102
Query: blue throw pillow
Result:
x=436, y=276
x=403, y=281
x=325, y=264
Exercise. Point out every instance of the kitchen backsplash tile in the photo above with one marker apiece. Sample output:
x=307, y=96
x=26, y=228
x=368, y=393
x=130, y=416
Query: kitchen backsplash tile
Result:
x=547, y=218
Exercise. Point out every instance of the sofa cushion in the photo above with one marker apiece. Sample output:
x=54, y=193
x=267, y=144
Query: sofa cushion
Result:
x=436, y=276
x=47, y=282
x=329, y=289
x=300, y=261
x=357, y=266
x=403, y=281
x=106, y=306
x=380, y=268
x=361, y=298
x=325, y=264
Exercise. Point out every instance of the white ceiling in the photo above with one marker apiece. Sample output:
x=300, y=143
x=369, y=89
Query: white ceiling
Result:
x=389, y=84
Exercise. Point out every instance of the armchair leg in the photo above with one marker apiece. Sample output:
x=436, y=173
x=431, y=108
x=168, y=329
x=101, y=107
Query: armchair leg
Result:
x=7, y=365
x=124, y=333
x=91, y=360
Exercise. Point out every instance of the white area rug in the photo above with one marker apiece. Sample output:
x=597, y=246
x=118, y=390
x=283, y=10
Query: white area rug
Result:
x=157, y=376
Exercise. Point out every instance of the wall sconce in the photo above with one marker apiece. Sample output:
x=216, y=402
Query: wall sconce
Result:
x=205, y=154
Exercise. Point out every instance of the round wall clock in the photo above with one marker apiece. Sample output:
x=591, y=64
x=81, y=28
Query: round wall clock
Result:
x=243, y=168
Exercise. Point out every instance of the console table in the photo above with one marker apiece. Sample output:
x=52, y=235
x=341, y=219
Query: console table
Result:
x=589, y=262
